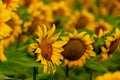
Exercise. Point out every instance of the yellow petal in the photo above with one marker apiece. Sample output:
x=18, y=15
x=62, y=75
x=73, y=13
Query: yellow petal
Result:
x=59, y=44
x=45, y=30
x=65, y=38
x=75, y=32
x=56, y=60
x=2, y=56
x=40, y=32
x=90, y=53
x=38, y=50
x=54, y=37
x=100, y=33
x=39, y=58
x=51, y=31
x=82, y=34
x=58, y=50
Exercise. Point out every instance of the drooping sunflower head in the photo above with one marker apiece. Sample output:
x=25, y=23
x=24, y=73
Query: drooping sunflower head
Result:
x=80, y=20
x=48, y=48
x=78, y=49
x=111, y=44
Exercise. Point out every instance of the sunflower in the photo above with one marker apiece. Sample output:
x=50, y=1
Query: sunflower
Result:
x=80, y=20
x=105, y=26
x=107, y=7
x=2, y=56
x=5, y=16
x=111, y=44
x=48, y=49
x=40, y=14
x=60, y=9
x=109, y=76
x=78, y=49
x=15, y=24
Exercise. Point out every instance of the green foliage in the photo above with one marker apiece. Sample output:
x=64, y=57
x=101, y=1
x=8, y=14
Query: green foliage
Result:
x=22, y=11
x=95, y=66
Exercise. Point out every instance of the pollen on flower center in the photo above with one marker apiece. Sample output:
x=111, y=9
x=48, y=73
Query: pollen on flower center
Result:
x=114, y=45
x=46, y=49
x=73, y=50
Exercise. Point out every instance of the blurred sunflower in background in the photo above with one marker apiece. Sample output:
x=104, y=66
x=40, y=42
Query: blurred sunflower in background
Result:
x=5, y=30
x=7, y=7
x=109, y=76
x=111, y=44
x=15, y=25
x=80, y=20
x=48, y=48
x=78, y=49
x=101, y=24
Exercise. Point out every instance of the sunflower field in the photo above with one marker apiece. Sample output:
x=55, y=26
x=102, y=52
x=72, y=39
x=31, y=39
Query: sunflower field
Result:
x=59, y=39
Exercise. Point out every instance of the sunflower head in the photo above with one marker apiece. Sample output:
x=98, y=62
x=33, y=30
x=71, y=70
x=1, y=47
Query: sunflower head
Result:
x=111, y=44
x=47, y=48
x=104, y=26
x=78, y=49
x=60, y=9
x=80, y=20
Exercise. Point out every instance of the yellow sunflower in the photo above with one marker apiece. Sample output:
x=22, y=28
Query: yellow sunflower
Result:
x=5, y=30
x=78, y=49
x=40, y=14
x=111, y=44
x=48, y=48
x=80, y=20
x=15, y=24
x=106, y=7
x=109, y=76
x=60, y=9
x=105, y=26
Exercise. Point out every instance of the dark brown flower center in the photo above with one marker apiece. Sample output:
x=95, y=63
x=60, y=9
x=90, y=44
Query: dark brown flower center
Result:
x=32, y=27
x=98, y=29
x=114, y=45
x=46, y=49
x=73, y=50
x=82, y=22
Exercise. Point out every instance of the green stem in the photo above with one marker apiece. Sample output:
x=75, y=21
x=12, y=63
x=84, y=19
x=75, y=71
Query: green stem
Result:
x=67, y=71
x=91, y=75
x=35, y=72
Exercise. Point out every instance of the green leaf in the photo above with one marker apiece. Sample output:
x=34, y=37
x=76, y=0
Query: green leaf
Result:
x=4, y=68
x=21, y=59
x=26, y=44
x=23, y=13
x=95, y=66
x=86, y=30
